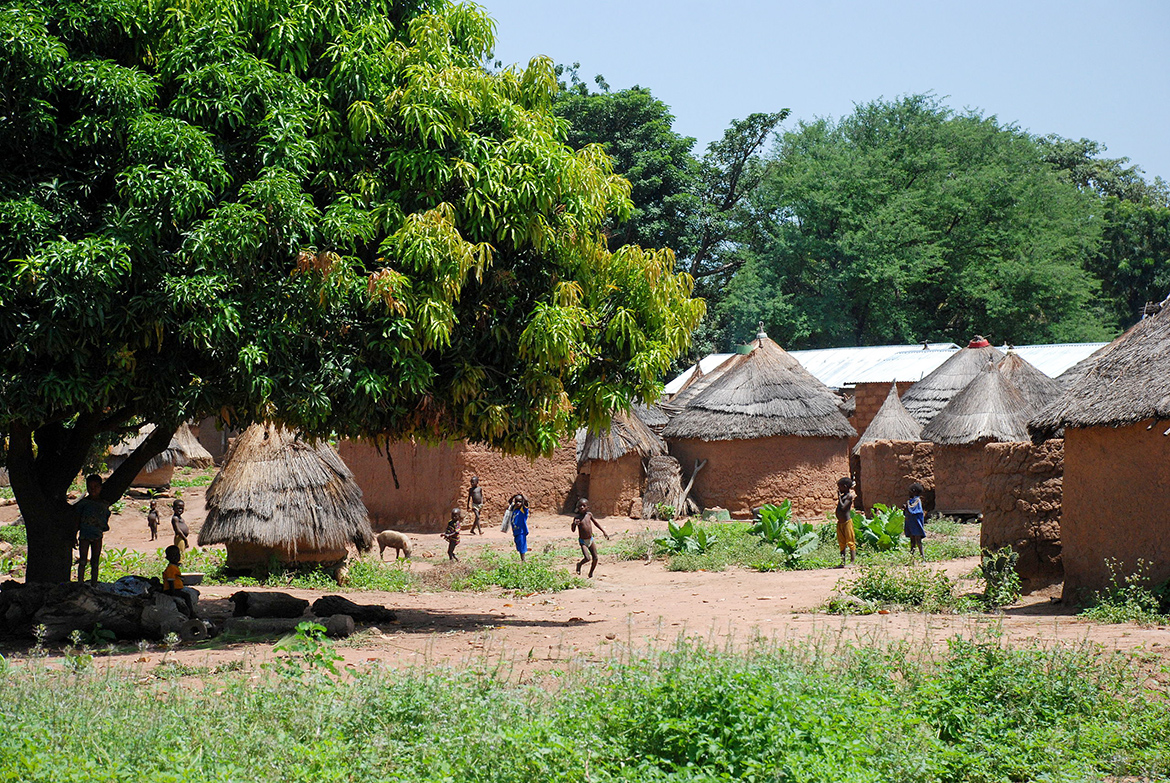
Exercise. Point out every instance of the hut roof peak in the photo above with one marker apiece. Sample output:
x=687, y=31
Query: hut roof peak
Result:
x=627, y=434
x=989, y=408
x=931, y=394
x=891, y=422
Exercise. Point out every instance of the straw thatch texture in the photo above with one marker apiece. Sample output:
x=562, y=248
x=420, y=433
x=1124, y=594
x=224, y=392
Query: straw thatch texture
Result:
x=277, y=490
x=698, y=383
x=1128, y=383
x=626, y=434
x=892, y=422
x=989, y=409
x=931, y=394
x=766, y=393
x=653, y=416
x=1038, y=389
x=183, y=451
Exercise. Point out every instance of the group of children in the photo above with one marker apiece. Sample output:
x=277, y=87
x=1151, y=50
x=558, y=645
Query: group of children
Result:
x=516, y=519
x=914, y=527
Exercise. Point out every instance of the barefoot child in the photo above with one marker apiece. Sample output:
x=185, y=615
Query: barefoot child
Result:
x=846, y=537
x=173, y=579
x=179, y=526
x=152, y=520
x=583, y=524
x=915, y=526
x=451, y=534
x=94, y=516
x=519, y=522
x=475, y=503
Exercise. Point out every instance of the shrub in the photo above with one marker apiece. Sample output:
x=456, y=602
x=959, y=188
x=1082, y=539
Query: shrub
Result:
x=687, y=537
x=912, y=586
x=1002, y=583
x=791, y=538
x=884, y=531
x=1129, y=598
x=665, y=511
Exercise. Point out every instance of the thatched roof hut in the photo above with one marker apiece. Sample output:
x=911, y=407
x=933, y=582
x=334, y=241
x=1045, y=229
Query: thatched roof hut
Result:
x=627, y=434
x=931, y=394
x=990, y=408
x=892, y=422
x=762, y=394
x=280, y=495
x=610, y=464
x=653, y=416
x=1038, y=389
x=184, y=450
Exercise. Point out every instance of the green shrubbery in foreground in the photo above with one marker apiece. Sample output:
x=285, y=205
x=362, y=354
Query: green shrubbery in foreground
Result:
x=811, y=712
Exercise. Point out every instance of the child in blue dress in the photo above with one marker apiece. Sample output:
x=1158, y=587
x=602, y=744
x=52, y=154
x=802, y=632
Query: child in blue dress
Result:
x=519, y=522
x=915, y=527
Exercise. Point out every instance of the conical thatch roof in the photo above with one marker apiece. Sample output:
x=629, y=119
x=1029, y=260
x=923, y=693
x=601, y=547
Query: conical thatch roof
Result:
x=927, y=397
x=1038, y=389
x=627, y=433
x=758, y=395
x=989, y=409
x=652, y=416
x=1128, y=383
x=698, y=383
x=277, y=490
x=184, y=450
x=892, y=422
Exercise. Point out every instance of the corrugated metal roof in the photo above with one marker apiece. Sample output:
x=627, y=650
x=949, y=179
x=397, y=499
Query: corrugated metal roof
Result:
x=708, y=363
x=1052, y=360
x=836, y=367
x=903, y=366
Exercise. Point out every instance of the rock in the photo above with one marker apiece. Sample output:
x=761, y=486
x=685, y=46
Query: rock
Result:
x=257, y=604
x=330, y=605
x=338, y=626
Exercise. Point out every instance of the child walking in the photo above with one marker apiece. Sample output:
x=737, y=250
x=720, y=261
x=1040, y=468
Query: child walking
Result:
x=451, y=534
x=519, y=523
x=583, y=525
x=915, y=526
x=846, y=537
x=475, y=503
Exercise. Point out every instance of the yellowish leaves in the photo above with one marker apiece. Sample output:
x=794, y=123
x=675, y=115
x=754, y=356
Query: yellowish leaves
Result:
x=383, y=286
x=308, y=261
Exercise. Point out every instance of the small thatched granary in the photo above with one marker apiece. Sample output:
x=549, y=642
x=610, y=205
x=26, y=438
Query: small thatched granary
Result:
x=280, y=496
x=989, y=410
x=885, y=472
x=931, y=394
x=184, y=450
x=653, y=416
x=611, y=465
x=768, y=429
x=1038, y=389
x=1116, y=422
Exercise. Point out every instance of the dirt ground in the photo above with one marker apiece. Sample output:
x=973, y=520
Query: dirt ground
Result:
x=630, y=606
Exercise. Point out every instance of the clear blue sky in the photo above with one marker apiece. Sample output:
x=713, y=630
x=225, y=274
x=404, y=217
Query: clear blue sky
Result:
x=1099, y=70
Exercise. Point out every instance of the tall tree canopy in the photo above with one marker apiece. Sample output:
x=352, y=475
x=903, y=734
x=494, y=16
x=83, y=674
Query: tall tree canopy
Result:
x=329, y=215
x=906, y=221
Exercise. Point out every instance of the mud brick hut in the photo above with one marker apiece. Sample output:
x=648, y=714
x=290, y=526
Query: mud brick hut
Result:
x=184, y=450
x=412, y=486
x=931, y=394
x=1116, y=423
x=892, y=456
x=280, y=496
x=989, y=410
x=611, y=465
x=768, y=429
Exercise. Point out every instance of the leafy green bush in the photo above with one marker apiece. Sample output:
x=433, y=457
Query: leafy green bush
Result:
x=1129, y=598
x=687, y=537
x=791, y=538
x=665, y=511
x=912, y=586
x=1002, y=583
x=14, y=534
x=884, y=531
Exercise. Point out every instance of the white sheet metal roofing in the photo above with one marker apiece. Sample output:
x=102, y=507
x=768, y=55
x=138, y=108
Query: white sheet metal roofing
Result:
x=1052, y=360
x=708, y=363
x=836, y=367
x=913, y=365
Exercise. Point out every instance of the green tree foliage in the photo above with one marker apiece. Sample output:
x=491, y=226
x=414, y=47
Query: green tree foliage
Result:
x=329, y=215
x=906, y=221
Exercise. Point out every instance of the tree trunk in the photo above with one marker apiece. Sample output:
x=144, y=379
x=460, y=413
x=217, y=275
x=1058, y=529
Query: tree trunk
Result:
x=52, y=534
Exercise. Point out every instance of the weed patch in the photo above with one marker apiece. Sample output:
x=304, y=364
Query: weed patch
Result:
x=915, y=587
x=1129, y=598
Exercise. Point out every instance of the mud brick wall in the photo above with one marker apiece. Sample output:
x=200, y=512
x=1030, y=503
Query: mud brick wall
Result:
x=1022, y=506
x=958, y=478
x=889, y=467
x=869, y=397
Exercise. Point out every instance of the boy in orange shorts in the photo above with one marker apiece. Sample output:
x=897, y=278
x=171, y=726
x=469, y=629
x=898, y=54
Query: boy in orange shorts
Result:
x=846, y=538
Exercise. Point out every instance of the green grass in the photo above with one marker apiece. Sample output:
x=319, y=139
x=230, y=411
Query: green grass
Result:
x=980, y=711
x=14, y=534
x=914, y=587
x=539, y=574
x=192, y=477
x=1130, y=597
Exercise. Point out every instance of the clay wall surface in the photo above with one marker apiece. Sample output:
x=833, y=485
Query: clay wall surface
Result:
x=1021, y=506
x=1116, y=504
x=547, y=482
x=742, y=474
x=155, y=479
x=214, y=440
x=889, y=467
x=427, y=477
x=958, y=478
x=615, y=488
x=870, y=397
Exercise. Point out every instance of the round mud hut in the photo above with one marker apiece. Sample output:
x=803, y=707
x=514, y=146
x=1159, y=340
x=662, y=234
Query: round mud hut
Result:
x=768, y=430
x=184, y=450
x=1116, y=422
x=989, y=410
x=931, y=394
x=611, y=468
x=891, y=455
x=281, y=497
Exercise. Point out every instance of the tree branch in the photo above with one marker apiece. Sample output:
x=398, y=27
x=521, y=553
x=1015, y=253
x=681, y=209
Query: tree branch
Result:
x=730, y=266
x=154, y=444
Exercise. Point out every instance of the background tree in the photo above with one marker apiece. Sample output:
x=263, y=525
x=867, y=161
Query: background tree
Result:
x=906, y=221
x=328, y=215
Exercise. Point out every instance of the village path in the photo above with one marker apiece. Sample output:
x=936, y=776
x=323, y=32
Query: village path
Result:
x=630, y=606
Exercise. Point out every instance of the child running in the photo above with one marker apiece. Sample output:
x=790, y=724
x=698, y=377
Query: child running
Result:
x=915, y=526
x=451, y=534
x=518, y=519
x=583, y=525
x=846, y=538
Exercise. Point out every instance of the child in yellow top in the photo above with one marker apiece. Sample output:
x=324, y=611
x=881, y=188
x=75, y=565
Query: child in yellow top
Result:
x=173, y=579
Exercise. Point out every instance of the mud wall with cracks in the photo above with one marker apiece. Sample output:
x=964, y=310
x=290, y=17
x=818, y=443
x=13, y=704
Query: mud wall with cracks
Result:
x=1022, y=507
x=889, y=467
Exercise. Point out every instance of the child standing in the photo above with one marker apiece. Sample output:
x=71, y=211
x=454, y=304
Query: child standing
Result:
x=475, y=503
x=915, y=526
x=152, y=520
x=451, y=534
x=519, y=522
x=94, y=520
x=583, y=525
x=179, y=526
x=846, y=537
